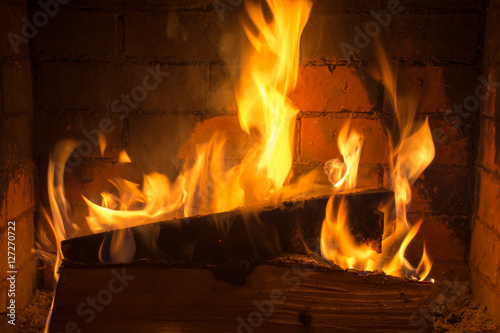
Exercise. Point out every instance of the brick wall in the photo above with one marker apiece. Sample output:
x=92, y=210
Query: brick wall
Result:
x=17, y=169
x=91, y=53
x=485, y=247
x=438, y=46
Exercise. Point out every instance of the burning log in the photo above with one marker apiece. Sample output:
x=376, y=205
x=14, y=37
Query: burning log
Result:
x=288, y=294
x=241, y=234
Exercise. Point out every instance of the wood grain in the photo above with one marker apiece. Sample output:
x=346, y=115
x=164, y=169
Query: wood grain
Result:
x=190, y=299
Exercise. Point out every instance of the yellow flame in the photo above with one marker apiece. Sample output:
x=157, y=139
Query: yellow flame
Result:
x=269, y=74
x=268, y=77
x=60, y=223
x=412, y=150
x=102, y=144
x=208, y=184
x=270, y=64
x=123, y=157
x=343, y=175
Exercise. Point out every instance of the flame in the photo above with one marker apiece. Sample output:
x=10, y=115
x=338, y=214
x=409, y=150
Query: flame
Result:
x=268, y=77
x=102, y=144
x=350, y=144
x=269, y=74
x=412, y=150
x=124, y=158
x=267, y=115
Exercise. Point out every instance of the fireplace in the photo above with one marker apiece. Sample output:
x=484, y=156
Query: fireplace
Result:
x=92, y=92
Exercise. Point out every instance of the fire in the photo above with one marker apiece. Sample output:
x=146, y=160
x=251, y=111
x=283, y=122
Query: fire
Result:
x=344, y=174
x=412, y=150
x=269, y=74
x=270, y=64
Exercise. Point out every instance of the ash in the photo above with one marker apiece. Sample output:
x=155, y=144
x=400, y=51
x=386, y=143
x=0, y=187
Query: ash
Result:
x=463, y=315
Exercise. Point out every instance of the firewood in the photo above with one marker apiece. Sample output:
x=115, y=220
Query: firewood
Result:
x=296, y=294
x=294, y=227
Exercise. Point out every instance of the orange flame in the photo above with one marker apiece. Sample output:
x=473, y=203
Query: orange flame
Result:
x=269, y=73
x=344, y=174
x=411, y=154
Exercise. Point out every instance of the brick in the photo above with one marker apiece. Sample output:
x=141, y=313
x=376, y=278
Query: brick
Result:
x=319, y=89
x=488, y=208
x=489, y=155
x=98, y=85
x=441, y=242
x=77, y=34
x=485, y=251
x=20, y=194
x=24, y=243
x=236, y=141
x=491, y=106
x=449, y=270
x=486, y=294
x=451, y=190
x=16, y=143
x=438, y=4
x=144, y=5
x=11, y=13
x=436, y=37
x=221, y=95
x=460, y=83
x=494, y=4
x=318, y=139
x=157, y=137
x=444, y=246
x=25, y=284
x=441, y=190
x=369, y=175
x=175, y=36
x=491, y=53
x=3, y=209
x=16, y=77
x=25, y=235
x=324, y=34
x=453, y=146
x=85, y=128
x=424, y=83
x=92, y=177
x=174, y=4
x=437, y=88
x=346, y=5
x=183, y=90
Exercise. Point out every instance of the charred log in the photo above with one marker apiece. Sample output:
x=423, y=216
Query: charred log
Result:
x=239, y=235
